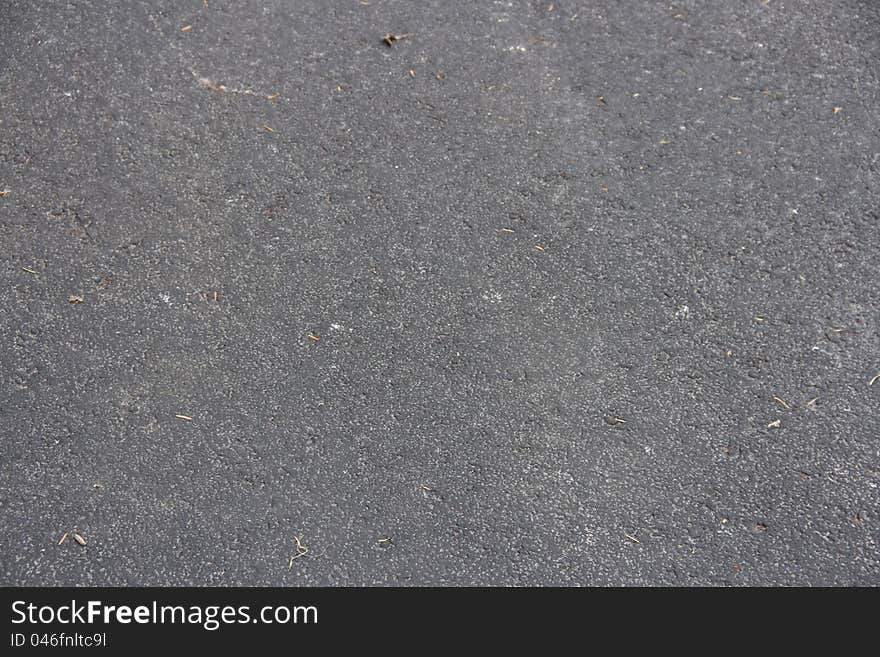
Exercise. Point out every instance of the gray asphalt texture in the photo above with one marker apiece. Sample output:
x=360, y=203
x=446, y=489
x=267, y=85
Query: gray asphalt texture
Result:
x=594, y=291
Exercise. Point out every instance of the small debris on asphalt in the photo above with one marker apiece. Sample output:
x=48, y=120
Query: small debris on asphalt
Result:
x=79, y=539
x=312, y=336
x=74, y=298
x=384, y=539
x=183, y=417
x=301, y=551
x=389, y=38
x=210, y=85
x=836, y=110
x=30, y=271
x=774, y=424
x=5, y=192
x=612, y=420
x=267, y=128
x=632, y=538
x=186, y=28
x=63, y=538
x=781, y=402
x=760, y=527
x=876, y=376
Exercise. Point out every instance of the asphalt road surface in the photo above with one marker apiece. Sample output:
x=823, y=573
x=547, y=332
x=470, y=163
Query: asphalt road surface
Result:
x=570, y=293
